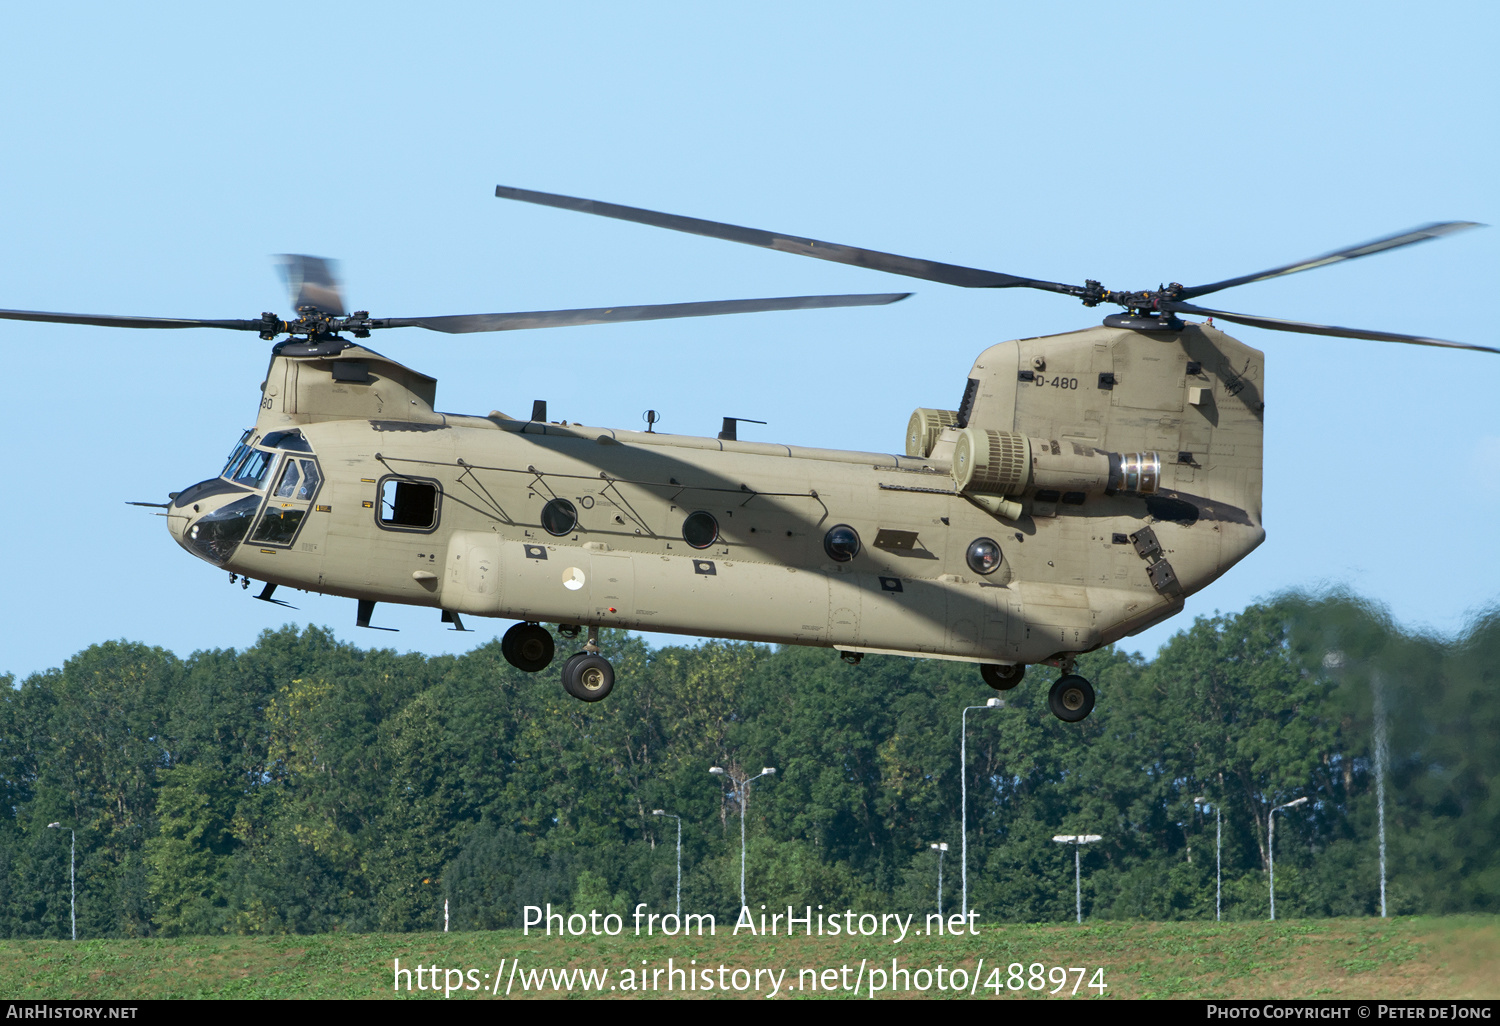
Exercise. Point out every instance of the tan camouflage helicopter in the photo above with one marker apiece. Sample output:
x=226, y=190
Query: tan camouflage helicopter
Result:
x=1086, y=483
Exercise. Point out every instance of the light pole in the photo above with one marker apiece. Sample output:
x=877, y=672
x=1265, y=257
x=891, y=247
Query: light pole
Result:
x=1218, y=864
x=942, y=849
x=963, y=808
x=1271, y=847
x=1335, y=661
x=72, y=877
x=1077, y=841
x=1380, y=754
x=662, y=812
x=743, y=787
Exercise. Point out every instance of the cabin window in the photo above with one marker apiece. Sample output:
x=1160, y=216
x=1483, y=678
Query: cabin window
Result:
x=841, y=543
x=700, y=529
x=408, y=504
x=559, y=517
x=983, y=556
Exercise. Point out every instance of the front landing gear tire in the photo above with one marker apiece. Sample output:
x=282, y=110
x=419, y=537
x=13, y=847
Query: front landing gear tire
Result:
x=1071, y=698
x=1002, y=678
x=588, y=677
x=527, y=646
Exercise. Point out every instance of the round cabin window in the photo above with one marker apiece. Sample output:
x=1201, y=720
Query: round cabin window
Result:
x=559, y=517
x=983, y=555
x=841, y=543
x=700, y=530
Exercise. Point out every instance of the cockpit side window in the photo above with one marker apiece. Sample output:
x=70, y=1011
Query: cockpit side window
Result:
x=310, y=479
x=289, y=477
x=290, y=502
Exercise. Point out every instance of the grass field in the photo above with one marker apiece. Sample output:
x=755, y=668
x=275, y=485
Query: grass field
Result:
x=1330, y=958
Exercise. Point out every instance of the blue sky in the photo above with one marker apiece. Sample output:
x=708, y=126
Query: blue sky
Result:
x=157, y=157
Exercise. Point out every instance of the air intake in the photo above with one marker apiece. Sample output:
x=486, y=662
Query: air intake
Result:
x=923, y=429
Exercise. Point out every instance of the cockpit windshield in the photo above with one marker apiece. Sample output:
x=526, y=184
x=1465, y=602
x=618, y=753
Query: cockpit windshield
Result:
x=249, y=463
x=252, y=468
x=238, y=454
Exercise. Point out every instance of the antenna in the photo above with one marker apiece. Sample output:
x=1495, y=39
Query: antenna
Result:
x=731, y=424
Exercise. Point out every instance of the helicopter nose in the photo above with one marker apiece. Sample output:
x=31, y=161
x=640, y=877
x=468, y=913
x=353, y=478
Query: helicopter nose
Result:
x=177, y=524
x=210, y=520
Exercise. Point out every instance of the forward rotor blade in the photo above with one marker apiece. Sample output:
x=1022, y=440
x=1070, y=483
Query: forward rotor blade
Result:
x=931, y=270
x=114, y=321
x=1277, y=324
x=461, y=323
x=1406, y=238
x=313, y=283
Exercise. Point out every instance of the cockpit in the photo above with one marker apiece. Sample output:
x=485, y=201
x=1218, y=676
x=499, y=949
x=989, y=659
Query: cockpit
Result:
x=264, y=493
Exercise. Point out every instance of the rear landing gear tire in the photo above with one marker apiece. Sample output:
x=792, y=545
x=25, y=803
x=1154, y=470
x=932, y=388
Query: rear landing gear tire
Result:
x=1002, y=678
x=588, y=677
x=528, y=647
x=1071, y=698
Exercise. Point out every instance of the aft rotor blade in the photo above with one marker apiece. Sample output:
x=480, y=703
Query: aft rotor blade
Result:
x=460, y=323
x=115, y=321
x=313, y=283
x=1277, y=324
x=931, y=270
x=1406, y=238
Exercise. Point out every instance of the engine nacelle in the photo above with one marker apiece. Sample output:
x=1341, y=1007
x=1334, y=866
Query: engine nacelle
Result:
x=1005, y=463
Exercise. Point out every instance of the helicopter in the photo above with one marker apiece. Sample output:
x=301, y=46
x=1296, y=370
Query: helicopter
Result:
x=1085, y=485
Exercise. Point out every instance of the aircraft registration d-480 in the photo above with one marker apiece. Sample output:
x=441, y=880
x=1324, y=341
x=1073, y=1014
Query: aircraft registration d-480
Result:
x=1086, y=483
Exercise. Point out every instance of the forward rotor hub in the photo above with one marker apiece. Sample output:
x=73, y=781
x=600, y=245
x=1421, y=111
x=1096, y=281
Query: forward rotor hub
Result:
x=316, y=326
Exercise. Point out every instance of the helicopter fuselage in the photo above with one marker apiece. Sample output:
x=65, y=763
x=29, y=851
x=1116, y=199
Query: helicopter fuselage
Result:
x=365, y=491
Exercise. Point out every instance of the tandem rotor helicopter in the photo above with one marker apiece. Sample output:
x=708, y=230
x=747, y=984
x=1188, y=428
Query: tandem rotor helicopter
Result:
x=1085, y=485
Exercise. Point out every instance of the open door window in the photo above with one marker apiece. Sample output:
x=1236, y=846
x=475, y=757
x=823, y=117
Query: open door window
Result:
x=408, y=504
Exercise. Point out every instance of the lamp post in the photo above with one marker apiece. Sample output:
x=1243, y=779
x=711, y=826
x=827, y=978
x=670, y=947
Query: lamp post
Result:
x=1335, y=661
x=72, y=876
x=662, y=812
x=942, y=849
x=742, y=785
x=1077, y=841
x=1271, y=847
x=1380, y=758
x=963, y=808
x=1218, y=864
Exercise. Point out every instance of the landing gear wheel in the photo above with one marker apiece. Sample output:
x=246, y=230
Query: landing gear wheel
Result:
x=588, y=677
x=527, y=646
x=1002, y=678
x=1071, y=698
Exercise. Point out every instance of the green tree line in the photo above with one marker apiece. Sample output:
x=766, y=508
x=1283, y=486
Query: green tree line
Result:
x=304, y=785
